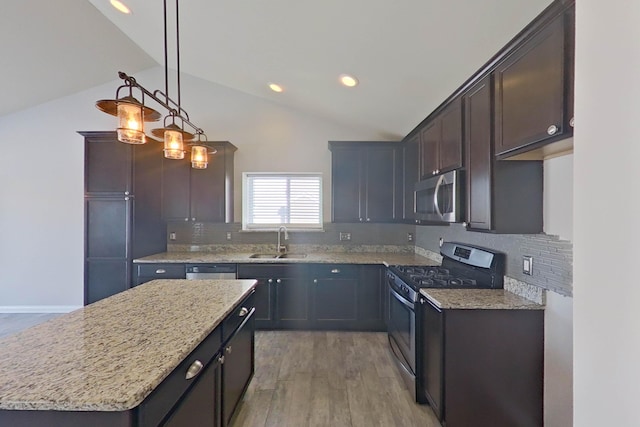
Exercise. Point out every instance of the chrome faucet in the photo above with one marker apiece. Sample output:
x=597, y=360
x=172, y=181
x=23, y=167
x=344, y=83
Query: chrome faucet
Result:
x=282, y=248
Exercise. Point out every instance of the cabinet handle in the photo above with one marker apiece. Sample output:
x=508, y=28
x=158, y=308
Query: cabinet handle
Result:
x=368, y=219
x=126, y=193
x=278, y=281
x=465, y=224
x=335, y=270
x=552, y=130
x=193, y=370
x=360, y=219
x=126, y=198
x=161, y=271
x=193, y=219
x=186, y=219
x=270, y=281
x=243, y=311
x=221, y=360
x=422, y=300
x=315, y=281
x=229, y=350
x=571, y=122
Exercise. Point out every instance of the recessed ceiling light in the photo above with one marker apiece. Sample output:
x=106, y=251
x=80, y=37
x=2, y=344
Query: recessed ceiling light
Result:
x=121, y=7
x=348, y=80
x=276, y=87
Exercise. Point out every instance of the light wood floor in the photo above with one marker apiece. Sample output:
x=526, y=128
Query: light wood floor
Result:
x=336, y=379
x=12, y=323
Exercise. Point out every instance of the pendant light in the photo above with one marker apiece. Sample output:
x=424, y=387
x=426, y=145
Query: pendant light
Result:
x=132, y=113
x=200, y=153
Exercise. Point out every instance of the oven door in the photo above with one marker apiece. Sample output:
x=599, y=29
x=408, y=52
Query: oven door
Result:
x=402, y=332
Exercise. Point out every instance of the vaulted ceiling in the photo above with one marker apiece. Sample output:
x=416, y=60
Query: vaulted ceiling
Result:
x=408, y=55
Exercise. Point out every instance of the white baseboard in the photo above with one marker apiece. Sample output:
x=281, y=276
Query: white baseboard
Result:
x=38, y=308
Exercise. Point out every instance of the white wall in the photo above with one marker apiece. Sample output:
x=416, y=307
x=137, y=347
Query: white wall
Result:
x=558, y=335
x=606, y=213
x=41, y=211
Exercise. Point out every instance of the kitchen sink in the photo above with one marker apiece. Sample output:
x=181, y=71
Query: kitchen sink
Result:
x=279, y=256
x=263, y=256
x=292, y=256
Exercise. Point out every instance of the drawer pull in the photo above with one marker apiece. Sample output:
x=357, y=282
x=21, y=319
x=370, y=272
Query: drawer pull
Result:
x=161, y=271
x=335, y=270
x=551, y=130
x=221, y=360
x=243, y=312
x=193, y=370
x=229, y=350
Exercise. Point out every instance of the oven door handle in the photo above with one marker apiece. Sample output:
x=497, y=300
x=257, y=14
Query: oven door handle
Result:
x=402, y=299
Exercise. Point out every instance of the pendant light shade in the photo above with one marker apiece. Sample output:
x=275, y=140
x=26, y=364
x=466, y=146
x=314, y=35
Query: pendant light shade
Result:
x=130, y=128
x=199, y=157
x=173, y=143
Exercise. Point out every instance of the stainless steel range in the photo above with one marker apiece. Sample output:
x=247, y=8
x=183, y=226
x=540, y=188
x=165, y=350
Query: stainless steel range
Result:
x=463, y=267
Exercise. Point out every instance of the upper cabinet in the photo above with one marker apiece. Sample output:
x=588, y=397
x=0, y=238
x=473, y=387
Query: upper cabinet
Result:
x=203, y=195
x=410, y=175
x=441, y=141
x=530, y=95
x=365, y=181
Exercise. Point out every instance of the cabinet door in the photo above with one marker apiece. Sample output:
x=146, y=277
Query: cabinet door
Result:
x=380, y=184
x=198, y=407
x=450, y=150
x=335, y=302
x=208, y=191
x=175, y=190
x=107, y=247
x=410, y=168
x=237, y=369
x=529, y=88
x=292, y=302
x=371, y=292
x=479, y=155
x=429, y=143
x=346, y=167
x=264, y=316
x=433, y=356
x=108, y=164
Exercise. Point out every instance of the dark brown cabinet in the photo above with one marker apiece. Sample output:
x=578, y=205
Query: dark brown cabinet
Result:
x=318, y=296
x=483, y=365
x=238, y=367
x=282, y=294
x=530, y=93
x=365, y=181
x=204, y=195
x=501, y=196
x=441, y=141
x=122, y=211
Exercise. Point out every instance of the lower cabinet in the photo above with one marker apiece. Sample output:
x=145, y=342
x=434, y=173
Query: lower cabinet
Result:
x=483, y=365
x=317, y=296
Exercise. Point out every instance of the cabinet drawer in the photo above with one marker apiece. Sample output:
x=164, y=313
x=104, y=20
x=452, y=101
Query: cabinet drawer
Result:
x=160, y=402
x=237, y=316
x=278, y=271
x=161, y=271
x=335, y=271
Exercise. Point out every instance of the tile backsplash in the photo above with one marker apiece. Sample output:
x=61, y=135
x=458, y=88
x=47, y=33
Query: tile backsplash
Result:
x=552, y=257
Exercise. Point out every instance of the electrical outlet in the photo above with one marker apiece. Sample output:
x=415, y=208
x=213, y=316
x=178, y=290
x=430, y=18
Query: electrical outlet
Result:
x=172, y=236
x=527, y=265
x=345, y=236
x=228, y=235
x=409, y=237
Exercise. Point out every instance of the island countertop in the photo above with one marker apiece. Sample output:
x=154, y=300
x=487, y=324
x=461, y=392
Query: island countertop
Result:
x=110, y=355
x=478, y=299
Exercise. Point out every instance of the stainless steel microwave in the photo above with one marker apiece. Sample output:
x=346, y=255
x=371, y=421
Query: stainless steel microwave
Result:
x=439, y=199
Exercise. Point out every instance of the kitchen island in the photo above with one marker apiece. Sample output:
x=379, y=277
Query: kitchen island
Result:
x=123, y=360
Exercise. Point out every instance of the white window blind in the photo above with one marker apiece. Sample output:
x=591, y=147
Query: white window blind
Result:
x=274, y=199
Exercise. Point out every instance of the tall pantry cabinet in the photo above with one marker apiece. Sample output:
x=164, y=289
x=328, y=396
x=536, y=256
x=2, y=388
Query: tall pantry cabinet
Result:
x=122, y=205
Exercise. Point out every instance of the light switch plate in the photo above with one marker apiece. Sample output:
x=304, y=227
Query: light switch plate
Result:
x=527, y=265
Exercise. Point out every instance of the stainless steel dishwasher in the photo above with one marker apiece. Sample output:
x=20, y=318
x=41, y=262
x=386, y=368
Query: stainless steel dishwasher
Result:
x=211, y=271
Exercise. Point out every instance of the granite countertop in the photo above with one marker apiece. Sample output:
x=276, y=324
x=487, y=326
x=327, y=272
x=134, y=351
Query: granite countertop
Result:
x=386, y=258
x=478, y=299
x=110, y=355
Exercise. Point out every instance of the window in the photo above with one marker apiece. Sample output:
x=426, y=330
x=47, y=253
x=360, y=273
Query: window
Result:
x=274, y=199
